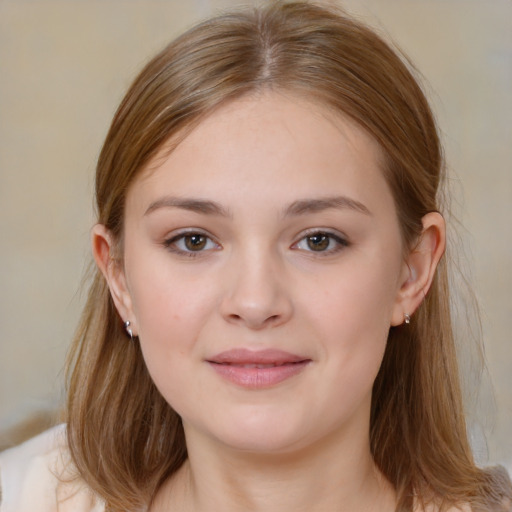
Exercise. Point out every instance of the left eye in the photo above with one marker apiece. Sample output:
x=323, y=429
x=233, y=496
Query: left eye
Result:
x=320, y=241
x=191, y=242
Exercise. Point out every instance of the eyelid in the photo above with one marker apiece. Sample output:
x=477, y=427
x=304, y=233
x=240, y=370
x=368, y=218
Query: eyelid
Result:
x=340, y=239
x=170, y=241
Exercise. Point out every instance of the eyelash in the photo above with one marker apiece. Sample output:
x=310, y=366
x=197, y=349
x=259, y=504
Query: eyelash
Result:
x=172, y=242
x=340, y=243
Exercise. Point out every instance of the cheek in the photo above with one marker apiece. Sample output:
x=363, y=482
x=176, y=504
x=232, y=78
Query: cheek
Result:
x=171, y=320
x=352, y=316
x=165, y=299
x=171, y=309
x=359, y=298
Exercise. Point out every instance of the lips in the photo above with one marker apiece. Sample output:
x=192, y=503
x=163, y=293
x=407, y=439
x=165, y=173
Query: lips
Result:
x=257, y=369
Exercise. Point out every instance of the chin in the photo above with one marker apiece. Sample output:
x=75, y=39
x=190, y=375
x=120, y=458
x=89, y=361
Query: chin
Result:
x=270, y=442
x=263, y=433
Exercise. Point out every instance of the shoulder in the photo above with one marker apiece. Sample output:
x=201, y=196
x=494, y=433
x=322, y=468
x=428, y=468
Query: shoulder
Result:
x=436, y=508
x=504, y=507
x=38, y=475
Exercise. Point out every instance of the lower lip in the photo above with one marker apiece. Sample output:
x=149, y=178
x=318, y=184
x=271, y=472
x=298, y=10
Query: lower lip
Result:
x=258, y=378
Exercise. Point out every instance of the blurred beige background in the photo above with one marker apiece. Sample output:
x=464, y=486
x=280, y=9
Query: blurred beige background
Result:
x=64, y=66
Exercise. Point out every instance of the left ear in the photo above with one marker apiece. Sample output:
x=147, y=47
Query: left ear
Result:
x=419, y=267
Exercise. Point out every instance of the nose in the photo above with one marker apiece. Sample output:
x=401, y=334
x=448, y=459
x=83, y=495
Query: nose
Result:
x=257, y=295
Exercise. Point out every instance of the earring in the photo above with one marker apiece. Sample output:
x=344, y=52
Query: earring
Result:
x=407, y=318
x=128, y=329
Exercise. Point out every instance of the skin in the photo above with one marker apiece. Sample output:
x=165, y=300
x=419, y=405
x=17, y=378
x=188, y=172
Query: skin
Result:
x=269, y=163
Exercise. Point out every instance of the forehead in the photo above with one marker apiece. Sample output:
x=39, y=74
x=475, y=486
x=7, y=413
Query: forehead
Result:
x=267, y=146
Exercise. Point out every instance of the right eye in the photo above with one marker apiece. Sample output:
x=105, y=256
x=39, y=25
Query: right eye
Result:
x=190, y=243
x=321, y=242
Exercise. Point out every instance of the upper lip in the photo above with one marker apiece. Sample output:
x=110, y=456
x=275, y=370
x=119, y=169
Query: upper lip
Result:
x=241, y=356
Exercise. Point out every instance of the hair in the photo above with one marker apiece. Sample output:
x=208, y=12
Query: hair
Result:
x=124, y=438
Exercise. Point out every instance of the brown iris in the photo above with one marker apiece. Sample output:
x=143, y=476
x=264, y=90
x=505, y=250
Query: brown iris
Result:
x=318, y=242
x=195, y=242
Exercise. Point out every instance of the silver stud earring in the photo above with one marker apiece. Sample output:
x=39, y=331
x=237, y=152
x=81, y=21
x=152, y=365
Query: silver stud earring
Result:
x=407, y=318
x=128, y=329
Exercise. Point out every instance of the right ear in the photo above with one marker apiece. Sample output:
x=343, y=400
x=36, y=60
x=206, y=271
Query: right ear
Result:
x=104, y=252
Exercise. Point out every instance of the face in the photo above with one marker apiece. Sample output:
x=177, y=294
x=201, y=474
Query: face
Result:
x=262, y=271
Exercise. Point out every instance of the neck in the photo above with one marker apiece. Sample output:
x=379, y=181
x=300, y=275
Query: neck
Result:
x=326, y=476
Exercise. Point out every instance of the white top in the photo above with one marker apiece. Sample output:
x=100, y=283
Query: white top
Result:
x=36, y=477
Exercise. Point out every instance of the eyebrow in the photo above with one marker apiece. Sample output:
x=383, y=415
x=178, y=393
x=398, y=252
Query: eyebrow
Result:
x=194, y=205
x=299, y=207
x=317, y=205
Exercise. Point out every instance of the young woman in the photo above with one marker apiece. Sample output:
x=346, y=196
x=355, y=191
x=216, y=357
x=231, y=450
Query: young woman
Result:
x=269, y=326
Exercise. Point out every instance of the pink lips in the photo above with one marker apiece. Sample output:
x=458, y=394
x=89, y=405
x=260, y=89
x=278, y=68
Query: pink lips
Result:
x=257, y=369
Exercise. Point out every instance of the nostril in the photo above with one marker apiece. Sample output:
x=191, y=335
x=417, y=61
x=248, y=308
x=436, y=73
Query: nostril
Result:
x=256, y=307
x=254, y=321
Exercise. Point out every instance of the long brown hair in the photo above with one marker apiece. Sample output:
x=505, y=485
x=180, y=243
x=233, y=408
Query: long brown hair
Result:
x=124, y=438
